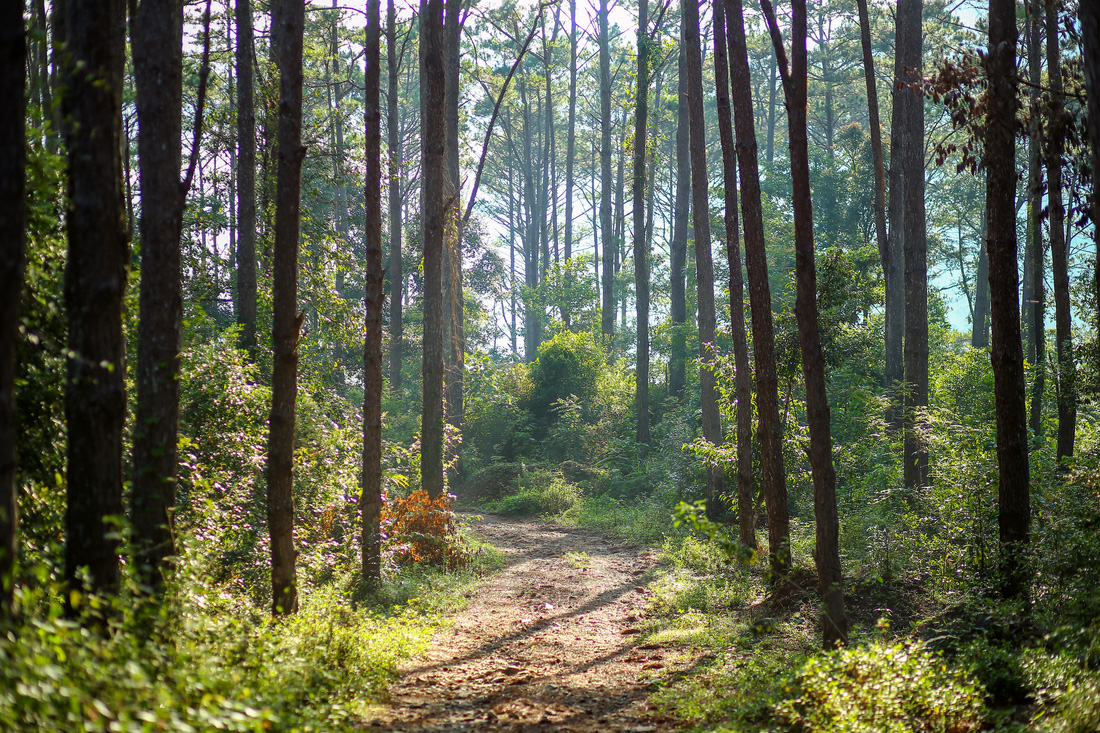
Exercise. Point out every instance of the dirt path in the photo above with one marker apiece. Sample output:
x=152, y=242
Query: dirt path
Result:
x=549, y=644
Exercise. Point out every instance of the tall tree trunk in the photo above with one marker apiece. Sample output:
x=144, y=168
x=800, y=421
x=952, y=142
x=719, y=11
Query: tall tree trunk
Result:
x=454, y=337
x=95, y=280
x=1033, y=324
x=876, y=134
x=287, y=23
x=743, y=384
x=158, y=77
x=373, y=301
x=434, y=212
x=1007, y=355
x=770, y=428
x=1089, y=11
x=532, y=309
x=894, y=263
x=641, y=247
x=915, y=248
x=571, y=141
x=704, y=269
x=769, y=153
x=678, y=246
x=607, y=323
x=13, y=219
x=246, y=183
x=397, y=277
x=1059, y=251
x=827, y=548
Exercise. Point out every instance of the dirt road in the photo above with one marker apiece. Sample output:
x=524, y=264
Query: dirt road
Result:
x=551, y=643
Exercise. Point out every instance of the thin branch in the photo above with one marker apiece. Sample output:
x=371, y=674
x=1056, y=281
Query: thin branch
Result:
x=200, y=102
x=777, y=43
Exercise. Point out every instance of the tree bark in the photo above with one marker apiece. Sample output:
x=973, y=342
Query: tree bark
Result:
x=1089, y=11
x=894, y=263
x=1033, y=326
x=678, y=247
x=287, y=23
x=607, y=322
x=827, y=548
x=373, y=301
x=770, y=428
x=743, y=379
x=95, y=280
x=641, y=248
x=571, y=141
x=1007, y=356
x=158, y=77
x=246, y=183
x=455, y=342
x=434, y=212
x=397, y=277
x=915, y=245
x=979, y=330
x=13, y=220
x=704, y=268
x=1059, y=251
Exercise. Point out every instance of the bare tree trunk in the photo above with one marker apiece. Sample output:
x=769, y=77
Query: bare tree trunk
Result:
x=678, y=247
x=641, y=248
x=704, y=269
x=743, y=384
x=454, y=337
x=915, y=249
x=876, y=134
x=373, y=300
x=1059, y=251
x=1089, y=11
x=571, y=142
x=1033, y=324
x=158, y=77
x=532, y=310
x=827, y=548
x=607, y=323
x=979, y=331
x=434, y=211
x=246, y=184
x=13, y=219
x=894, y=263
x=1007, y=354
x=770, y=429
x=397, y=277
x=95, y=280
x=287, y=23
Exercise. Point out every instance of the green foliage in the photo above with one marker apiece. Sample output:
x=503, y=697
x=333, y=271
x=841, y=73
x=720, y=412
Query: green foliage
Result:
x=882, y=689
x=539, y=492
x=568, y=365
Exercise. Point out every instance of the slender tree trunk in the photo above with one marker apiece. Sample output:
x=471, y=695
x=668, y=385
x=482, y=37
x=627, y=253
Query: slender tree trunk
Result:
x=434, y=211
x=454, y=342
x=827, y=549
x=571, y=142
x=1089, y=11
x=894, y=263
x=532, y=309
x=1007, y=354
x=95, y=280
x=704, y=269
x=641, y=248
x=287, y=23
x=678, y=246
x=246, y=183
x=373, y=301
x=397, y=277
x=1059, y=251
x=158, y=77
x=13, y=219
x=769, y=154
x=607, y=323
x=743, y=383
x=1033, y=324
x=915, y=248
x=876, y=134
x=770, y=428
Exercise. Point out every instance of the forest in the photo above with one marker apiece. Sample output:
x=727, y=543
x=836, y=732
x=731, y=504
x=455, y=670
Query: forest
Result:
x=532, y=365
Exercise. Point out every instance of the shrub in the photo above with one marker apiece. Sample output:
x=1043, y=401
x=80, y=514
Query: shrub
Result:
x=568, y=365
x=421, y=529
x=540, y=492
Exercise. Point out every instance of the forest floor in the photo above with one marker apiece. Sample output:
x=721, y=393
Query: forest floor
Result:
x=550, y=643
